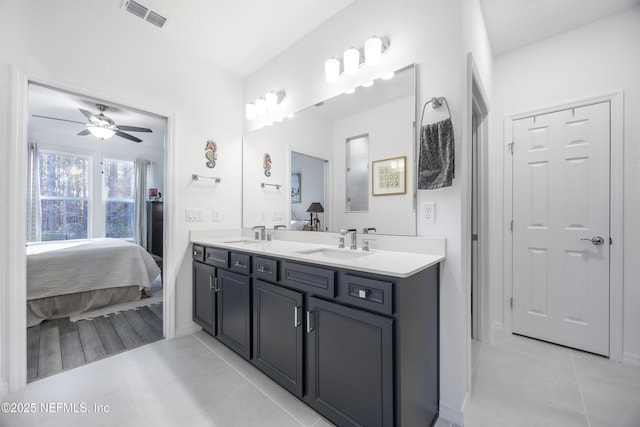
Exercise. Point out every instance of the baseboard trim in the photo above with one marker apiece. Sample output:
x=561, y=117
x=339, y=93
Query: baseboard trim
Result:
x=451, y=414
x=631, y=359
x=187, y=330
x=497, y=328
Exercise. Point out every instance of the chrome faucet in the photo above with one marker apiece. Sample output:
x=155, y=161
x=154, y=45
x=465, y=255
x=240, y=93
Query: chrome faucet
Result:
x=259, y=235
x=366, y=230
x=354, y=242
x=275, y=227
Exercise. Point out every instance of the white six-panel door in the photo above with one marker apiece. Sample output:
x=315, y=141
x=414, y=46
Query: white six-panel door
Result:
x=560, y=203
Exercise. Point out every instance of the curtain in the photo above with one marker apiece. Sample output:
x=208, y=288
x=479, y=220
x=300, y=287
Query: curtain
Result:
x=142, y=167
x=33, y=195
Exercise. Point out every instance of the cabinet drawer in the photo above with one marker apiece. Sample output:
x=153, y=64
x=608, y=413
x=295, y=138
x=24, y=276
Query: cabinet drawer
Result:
x=197, y=253
x=240, y=263
x=217, y=257
x=319, y=281
x=374, y=295
x=265, y=268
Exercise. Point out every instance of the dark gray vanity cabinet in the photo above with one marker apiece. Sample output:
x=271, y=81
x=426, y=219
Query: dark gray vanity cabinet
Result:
x=222, y=296
x=234, y=311
x=360, y=348
x=204, y=296
x=278, y=334
x=350, y=364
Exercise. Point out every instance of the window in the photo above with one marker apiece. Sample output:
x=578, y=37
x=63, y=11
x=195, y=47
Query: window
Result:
x=64, y=195
x=119, y=198
x=357, y=178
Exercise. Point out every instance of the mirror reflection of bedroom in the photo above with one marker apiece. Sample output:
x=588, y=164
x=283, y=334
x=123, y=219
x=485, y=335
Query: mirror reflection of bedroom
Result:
x=94, y=230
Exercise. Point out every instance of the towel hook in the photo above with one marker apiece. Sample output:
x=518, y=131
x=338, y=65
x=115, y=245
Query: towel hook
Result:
x=436, y=103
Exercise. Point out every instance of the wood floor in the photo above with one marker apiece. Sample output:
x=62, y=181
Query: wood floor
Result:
x=57, y=345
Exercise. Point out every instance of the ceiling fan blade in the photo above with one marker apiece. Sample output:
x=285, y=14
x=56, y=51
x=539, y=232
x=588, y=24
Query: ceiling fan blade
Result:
x=127, y=136
x=133, y=128
x=54, y=118
x=89, y=115
x=84, y=132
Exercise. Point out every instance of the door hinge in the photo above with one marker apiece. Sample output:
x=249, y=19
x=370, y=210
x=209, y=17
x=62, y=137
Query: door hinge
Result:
x=511, y=302
x=610, y=241
x=511, y=147
x=511, y=226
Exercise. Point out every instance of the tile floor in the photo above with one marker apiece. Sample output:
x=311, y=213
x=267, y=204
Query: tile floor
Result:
x=523, y=382
x=196, y=381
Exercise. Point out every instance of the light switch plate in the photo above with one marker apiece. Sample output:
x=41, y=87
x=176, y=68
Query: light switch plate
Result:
x=193, y=214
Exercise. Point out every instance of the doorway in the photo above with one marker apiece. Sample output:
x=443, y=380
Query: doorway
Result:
x=561, y=227
x=84, y=187
x=309, y=203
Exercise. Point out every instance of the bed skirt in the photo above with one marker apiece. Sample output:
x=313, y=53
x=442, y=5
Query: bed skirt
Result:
x=59, y=306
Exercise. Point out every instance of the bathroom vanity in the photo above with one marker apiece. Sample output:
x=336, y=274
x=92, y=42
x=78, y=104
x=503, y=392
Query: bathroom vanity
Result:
x=354, y=334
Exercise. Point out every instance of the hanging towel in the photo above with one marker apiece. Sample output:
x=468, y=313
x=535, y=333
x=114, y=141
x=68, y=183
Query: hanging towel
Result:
x=436, y=162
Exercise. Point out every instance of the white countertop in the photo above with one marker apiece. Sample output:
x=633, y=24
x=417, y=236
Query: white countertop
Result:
x=376, y=261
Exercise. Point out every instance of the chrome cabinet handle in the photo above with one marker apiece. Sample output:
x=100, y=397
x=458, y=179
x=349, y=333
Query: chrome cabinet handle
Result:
x=595, y=240
x=296, y=322
x=309, y=328
x=239, y=264
x=211, y=286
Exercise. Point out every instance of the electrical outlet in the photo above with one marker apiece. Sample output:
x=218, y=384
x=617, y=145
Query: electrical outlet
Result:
x=429, y=212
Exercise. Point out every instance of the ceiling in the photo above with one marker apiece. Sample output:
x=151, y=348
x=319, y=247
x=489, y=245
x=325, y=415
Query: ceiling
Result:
x=243, y=35
x=512, y=24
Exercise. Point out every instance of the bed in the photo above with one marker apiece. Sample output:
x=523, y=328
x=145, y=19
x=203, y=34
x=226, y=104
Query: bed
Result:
x=72, y=277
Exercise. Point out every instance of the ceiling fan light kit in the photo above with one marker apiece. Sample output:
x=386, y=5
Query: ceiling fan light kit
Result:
x=103, y=127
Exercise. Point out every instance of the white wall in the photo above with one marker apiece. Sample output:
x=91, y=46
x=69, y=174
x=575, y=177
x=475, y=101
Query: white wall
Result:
x=5, y=114
x=55, y=42
x=390, y=128
x=591, y=60
x=429, y=34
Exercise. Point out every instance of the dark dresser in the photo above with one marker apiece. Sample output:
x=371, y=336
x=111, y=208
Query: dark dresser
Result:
x=154, y=227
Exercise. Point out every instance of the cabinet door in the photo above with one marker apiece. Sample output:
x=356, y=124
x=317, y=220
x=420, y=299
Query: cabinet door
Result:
x=277, y=334
x=350, y=371
x=204, y=297
x=234, y=311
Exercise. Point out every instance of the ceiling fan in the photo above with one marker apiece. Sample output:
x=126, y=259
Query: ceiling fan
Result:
x=103, y=127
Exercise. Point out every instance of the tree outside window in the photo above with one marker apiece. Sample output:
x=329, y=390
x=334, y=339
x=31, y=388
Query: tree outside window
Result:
x=119, y=198
x=64, y=195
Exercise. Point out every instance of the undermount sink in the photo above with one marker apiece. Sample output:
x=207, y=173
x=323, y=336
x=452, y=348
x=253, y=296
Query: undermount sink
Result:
x=244, y=242
x=342, y=254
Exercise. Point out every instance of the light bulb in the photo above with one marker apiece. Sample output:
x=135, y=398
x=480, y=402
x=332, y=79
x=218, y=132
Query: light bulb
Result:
x=351, y=60
x=331, y=70
x=372, y=51
x=271, y=100
x=368, y=84
x=350, y=91
x=250, y=111
x=261, y=107
x=388, y=76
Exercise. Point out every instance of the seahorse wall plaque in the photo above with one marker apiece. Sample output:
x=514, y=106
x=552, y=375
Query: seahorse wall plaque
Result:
x=211, y=153
x=267, y=164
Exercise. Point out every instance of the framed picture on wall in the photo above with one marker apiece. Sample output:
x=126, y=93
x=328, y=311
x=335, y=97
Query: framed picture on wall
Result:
x=296, y=188
x=389, y=176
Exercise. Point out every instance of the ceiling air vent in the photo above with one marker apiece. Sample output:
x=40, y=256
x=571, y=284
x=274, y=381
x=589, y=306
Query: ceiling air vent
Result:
x=143, y=12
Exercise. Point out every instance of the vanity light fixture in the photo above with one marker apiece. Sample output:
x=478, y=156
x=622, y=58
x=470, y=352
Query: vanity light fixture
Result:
x=368, y=84
x=388, y=76
x=353, y=58
x=350, y=91
x=264, y=104
x=261, y=107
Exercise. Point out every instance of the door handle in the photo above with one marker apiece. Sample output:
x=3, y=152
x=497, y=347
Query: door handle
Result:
x=595, y=240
